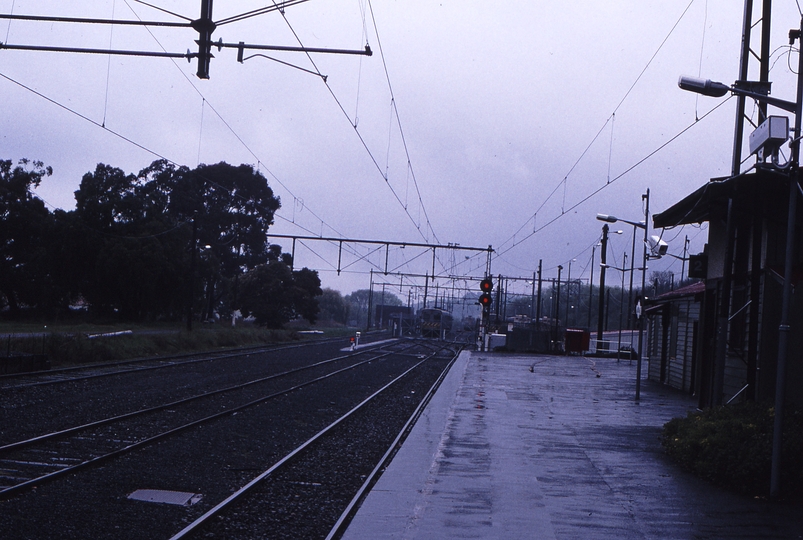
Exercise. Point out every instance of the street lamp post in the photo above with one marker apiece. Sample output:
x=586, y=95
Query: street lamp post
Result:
x=557, y=310
x=602, y=259
x=623, y=270
x=630, y=288
x=591, y=287
x=568, y=292
x=643, y=225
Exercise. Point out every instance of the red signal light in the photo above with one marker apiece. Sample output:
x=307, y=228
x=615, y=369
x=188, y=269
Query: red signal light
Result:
x=486, y=285
x=485, y=299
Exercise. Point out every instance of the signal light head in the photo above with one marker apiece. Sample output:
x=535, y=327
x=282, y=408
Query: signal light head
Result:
x=485, y=299
x=486, y=285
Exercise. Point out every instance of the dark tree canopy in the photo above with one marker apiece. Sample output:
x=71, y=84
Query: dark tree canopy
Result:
x=134, y=255
x=358, y=303
x=148, y=246
x=333, y=307
x=275, y=295
x=24, y=227
x=233, y=208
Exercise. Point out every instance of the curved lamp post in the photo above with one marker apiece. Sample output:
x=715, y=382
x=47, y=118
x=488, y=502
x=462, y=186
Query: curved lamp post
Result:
x=642, y=225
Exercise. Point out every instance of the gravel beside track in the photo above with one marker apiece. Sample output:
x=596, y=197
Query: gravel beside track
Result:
x=213, y=460
x=53, y=407
x=305, y=498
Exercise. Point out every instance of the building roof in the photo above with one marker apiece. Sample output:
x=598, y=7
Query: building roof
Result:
x=655, y=304
x=710, y=201
x=687, y=290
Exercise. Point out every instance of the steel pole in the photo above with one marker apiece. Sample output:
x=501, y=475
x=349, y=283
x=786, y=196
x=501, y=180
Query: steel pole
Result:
x=621, y=304
x=568, y=293
x=643, y=288
x=784, y=328
x=630, y=289
x=538, y=305
x=591, y=287
x=602, y=261
x=557, y=310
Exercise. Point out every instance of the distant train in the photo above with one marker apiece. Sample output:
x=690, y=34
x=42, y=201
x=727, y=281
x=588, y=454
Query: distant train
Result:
x=435, y=323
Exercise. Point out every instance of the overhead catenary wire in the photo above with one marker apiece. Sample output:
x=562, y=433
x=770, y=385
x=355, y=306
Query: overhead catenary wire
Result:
x=109, y=65
x=702, y=49
x=261, y=11
x=596, y=136
x=207, y=104
x=204, y=105
x=621, y=175
x=97, y=124
x=371, y=155
x=8, y=27
x=163, y=10
x=260, y=164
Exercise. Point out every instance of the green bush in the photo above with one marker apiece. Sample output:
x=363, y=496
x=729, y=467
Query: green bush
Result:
x=731, y=446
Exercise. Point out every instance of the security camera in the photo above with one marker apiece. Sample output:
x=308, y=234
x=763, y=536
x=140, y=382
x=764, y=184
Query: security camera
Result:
x=657, y=246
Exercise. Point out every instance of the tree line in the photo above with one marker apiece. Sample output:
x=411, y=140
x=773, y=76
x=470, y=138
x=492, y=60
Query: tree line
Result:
x=162, y=244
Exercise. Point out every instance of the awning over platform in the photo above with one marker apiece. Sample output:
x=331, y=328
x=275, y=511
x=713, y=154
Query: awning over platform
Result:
x=710, y=201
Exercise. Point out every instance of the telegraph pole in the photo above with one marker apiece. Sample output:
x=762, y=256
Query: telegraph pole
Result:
x=370, y=301
x=602, y=261
x=640, y=314
x=591, y=287
x=568, y=293
x=557, y=308
x=538, y=304
x=191, y=281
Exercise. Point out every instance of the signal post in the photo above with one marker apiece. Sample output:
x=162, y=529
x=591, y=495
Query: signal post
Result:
x=485, y=301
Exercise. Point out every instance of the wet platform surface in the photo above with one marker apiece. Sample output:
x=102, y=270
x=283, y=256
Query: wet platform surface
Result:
x=553, y=447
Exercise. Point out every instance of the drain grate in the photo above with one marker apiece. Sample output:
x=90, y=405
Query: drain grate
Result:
x=181, y=498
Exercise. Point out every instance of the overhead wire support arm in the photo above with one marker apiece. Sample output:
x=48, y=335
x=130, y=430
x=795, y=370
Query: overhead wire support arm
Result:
x=83, y=20
x=187, y=55
x=205, y=25
x=458, y=247
x=241, y=48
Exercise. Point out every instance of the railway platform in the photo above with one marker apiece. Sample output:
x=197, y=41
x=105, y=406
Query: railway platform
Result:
x=553, y=447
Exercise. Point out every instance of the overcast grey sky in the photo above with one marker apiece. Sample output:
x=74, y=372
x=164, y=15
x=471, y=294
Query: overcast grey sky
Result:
x=512, y=113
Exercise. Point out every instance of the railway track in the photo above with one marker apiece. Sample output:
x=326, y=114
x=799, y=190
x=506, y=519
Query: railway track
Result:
x=210, y=449
x=320, y=464
x=108, y=369
x=28, y=463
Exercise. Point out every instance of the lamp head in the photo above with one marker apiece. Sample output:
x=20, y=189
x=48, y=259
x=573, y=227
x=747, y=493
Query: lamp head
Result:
x=606, y=218
x=706, y=87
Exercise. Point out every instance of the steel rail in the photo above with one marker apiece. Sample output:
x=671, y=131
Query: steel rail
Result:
x=28, y=484
x=156, y=408
x=161, y=362
x=346, y=516
x=195, y=525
